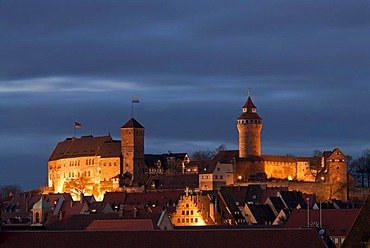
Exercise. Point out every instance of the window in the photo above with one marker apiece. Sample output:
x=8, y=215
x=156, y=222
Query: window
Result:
x=183, y=212
x=191, y=212
x=187, y=212
x=196, y=220
x=218, y=168
x=216, y=177
x=221, y=177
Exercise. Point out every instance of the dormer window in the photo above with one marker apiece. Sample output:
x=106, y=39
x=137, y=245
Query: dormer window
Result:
x=254, y=110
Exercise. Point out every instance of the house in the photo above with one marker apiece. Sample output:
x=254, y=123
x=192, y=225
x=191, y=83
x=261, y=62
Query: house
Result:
x=259, y=214
x=100, y=208
x=335, y=222
x=218, y=172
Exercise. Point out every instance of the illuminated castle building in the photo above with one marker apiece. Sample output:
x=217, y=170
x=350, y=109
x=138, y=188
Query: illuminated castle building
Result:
x=247, y=163
x=97, y=164
x=94, y=165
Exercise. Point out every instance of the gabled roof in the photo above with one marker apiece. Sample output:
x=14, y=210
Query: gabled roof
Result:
x=75, y=222
x=253, y=194
x=223, y=157
x=262, y=213
x=277, y=203
x=114, y=198
x=132, y=123
x=86, y=146
x=121, y=225
x=336, y=222
x=271, y=192
x=72, y=208
x=238, y=192
x=100, y=208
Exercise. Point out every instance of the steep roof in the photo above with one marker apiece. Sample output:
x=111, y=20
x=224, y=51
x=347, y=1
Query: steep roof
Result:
x=132, y=123
x=262, y=213
x=336, y=222
x=86, y=146
x=249, y=103
x=249, y=114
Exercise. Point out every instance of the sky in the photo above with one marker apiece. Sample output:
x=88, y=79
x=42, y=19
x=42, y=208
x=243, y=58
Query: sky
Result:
x=191, y=63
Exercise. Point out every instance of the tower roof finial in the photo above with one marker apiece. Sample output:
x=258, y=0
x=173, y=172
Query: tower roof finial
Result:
x=249, y=92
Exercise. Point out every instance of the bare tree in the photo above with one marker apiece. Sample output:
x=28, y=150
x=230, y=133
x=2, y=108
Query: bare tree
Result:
x=315, y=164
x=205, y=155
x=9, y=190
x=77, y=185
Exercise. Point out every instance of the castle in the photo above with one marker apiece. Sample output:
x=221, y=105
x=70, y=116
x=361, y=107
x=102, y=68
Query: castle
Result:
x=248, y=164
x=97, y=164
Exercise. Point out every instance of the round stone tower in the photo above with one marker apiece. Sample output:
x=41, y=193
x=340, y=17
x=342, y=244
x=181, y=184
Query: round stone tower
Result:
x=249, y=127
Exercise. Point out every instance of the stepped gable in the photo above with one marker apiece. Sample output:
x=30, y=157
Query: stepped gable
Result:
x=132, y=123
x=79, y=147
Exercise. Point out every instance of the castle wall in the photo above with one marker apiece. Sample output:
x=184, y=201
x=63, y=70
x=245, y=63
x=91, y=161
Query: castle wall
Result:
x=323, y=191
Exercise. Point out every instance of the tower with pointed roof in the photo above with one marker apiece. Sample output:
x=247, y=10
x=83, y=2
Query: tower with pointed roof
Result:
x=249, y=128
x=132, y=148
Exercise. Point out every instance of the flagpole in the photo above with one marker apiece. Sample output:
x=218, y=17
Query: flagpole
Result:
x=132, y=107
x=75, y=130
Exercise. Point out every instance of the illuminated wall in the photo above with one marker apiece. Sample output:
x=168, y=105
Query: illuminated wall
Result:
x=187, y=212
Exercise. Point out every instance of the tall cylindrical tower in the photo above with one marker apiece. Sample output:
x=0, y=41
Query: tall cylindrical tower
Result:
x=249, y=127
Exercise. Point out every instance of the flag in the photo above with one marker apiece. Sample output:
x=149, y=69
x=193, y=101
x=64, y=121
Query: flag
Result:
x=135, y=100
x=77, y=125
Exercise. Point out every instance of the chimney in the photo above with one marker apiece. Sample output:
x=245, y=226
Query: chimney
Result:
x=61, y=215
x=120, y=211
x=135, y=212
x=81, y=197
x=71, y=203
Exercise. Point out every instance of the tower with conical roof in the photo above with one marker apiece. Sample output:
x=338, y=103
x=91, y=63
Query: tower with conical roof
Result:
x=249, y=128
x=132, y=148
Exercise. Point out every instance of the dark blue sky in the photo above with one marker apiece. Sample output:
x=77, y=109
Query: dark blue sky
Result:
x=191, y=64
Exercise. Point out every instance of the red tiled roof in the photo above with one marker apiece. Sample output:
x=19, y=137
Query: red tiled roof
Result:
x=249, y=116
x=336, y=222
x=114, y=198
x=121, y=225
x=303, y=238
x=84, y=146
x=270, y=192
x=72, y=208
